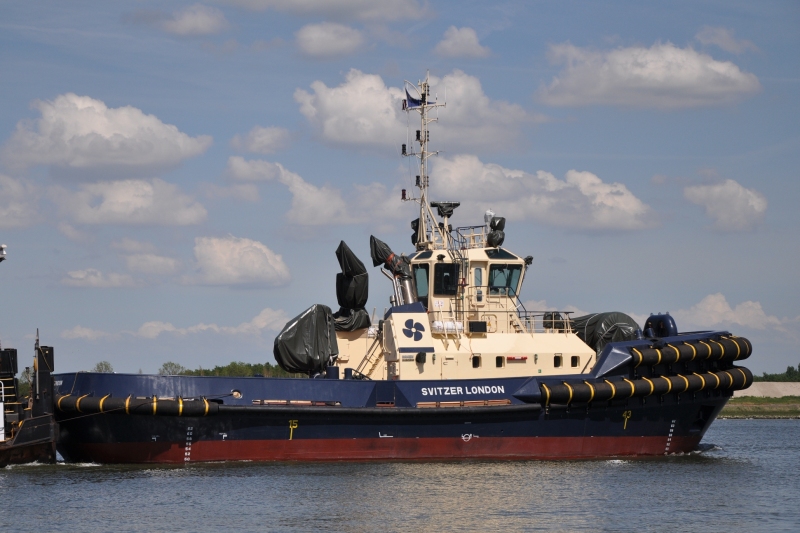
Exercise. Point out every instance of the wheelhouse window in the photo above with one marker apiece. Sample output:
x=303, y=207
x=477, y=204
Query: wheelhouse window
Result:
x=445, y=279
x=421, y=276
x=504, y=279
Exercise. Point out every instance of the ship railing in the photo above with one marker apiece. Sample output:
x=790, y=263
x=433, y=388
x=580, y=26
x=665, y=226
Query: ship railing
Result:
x=504, y=311
x=468, y=237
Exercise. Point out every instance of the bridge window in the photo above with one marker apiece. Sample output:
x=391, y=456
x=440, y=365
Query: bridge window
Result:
x=575, y=361
x=421, y=276
x=445, y=279
x=504, y=279
x=557, y=361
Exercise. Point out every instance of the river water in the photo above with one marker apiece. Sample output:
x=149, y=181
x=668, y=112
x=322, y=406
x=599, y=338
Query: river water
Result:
x=745, y=478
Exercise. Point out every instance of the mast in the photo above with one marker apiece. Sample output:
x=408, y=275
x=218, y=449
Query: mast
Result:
x=429, y=234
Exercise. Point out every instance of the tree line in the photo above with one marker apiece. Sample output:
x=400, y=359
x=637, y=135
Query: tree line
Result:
x=233, y=369
x=791, y=374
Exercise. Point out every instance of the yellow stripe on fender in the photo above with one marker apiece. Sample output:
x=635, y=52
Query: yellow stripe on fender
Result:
x=677, y=353
x=78, y=403
x=569, y=388
x=58, y=404
x=128, y=405
x=546, y=395
x=709, y=349
x=591, y=388
x=155, y=403
x=652, y=385
x=730, y=376
x=205, y=402
x=694, y=350
x=686, y=380
x=669, y=384
x=744, y=376
x=629, y=382
x=718, y=381
x=721, y=347
x=701, y=379
x=180, y=406
x=641, y=357
x=738, y=348
x=103, y=399
x=613, y=389
x=659, y=356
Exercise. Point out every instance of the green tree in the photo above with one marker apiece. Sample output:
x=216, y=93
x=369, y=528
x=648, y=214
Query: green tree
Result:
x=172, y=369
x=103, y=367
x=792, y=374
x=25, y=378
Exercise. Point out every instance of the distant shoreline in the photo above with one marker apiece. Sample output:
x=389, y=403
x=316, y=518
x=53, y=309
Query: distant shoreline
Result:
x=785, y=407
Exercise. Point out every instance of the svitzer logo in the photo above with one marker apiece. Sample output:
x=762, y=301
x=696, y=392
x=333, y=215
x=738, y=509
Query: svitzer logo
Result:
x=413, y=329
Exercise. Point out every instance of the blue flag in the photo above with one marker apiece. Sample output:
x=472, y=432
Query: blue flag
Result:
x=412, y=102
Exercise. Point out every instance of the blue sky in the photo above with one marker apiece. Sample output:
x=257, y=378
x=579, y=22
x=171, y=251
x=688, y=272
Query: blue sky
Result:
x=175, y=176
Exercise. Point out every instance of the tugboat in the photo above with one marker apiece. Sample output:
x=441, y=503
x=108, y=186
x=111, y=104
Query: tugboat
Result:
x=456, y=368
x=27, y=426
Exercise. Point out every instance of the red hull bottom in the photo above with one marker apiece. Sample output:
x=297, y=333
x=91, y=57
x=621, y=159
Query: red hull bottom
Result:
x=403, y=449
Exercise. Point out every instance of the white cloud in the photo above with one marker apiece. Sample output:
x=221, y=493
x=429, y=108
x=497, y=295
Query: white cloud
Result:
x=80, y=332
x=245, y=192
x=129, y=202
x=311, y=205
x=731, y=206
x=580, y=201
x=18, y=203
x=724, y=39
x=662, y=76
x=325, y=205
x=363, y=111
x=461, y=42
x=195, y=20
x=366, y=10
x=133, y=246
x=243, y=169
x=328, y=40
x=262, y=140
x=715, y=311
x=72, y=233
x=237, y=261
x=152, y=264
x=93, y=278
x=267, y=320
x=81, y=132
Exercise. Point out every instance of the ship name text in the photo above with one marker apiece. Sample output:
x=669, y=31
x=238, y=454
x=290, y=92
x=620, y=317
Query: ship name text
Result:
x=454, y=391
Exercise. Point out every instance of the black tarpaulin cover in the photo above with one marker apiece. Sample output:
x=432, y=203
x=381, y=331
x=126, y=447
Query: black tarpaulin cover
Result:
x=599, y=329
x=351, y=265
x=352, y=293
x=351, y=319
x=495, y=238
x=307, y=342
x=352, y=284
x=379, y=251
x=383, y=255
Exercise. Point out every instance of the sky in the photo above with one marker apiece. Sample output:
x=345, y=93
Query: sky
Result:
x=175, y=177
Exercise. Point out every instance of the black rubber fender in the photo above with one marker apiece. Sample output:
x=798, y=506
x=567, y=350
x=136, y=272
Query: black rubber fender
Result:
x=736, y=378
x=720, y=349
x=86, y=404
